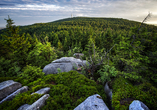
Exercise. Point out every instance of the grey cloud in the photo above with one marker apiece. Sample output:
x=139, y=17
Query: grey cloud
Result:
x=6, y=5
x=127, y=9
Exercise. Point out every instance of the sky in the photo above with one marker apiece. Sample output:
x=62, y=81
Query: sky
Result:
x=27, y=12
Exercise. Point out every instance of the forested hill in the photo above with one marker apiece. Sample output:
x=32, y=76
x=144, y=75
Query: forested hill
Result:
x=78, y=29
x=96, y=23
x=115, y=48
x=84, y=22
x=79, y=33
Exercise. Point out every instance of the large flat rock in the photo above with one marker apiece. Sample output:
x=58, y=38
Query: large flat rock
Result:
x=8, y=87
x=93, y=102
x=65, y=64
x=138, y=105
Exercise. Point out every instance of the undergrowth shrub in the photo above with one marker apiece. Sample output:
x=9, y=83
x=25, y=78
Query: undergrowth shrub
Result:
x=30, y=74
x=19, y=100
x=7, y=78
x=133, y=76
x=68, y=89
x=42, y=54
x=123, y=89
x=106, y=72
x=8, y=68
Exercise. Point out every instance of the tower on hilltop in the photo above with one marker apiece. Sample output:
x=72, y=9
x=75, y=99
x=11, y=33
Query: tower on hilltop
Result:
x=71, y=15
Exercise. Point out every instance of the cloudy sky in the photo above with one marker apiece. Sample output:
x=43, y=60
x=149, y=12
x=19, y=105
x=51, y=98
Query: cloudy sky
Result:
x=25, y=12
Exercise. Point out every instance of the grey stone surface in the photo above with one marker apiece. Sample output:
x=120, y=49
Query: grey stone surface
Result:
x=93, y=102
x=24, y=107
x=39, y=103
x=8, y=87
x=65, y=64
x=36, y=105
x=11, y=96
x=42, y=91
x=138, y=105
x=108, y=91
x=78, y=55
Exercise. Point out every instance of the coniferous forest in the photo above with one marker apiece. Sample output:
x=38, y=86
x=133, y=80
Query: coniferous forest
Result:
x=119, y=50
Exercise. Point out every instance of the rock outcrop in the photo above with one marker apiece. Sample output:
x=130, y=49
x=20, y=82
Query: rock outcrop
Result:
x=11, y=96
x=42, y=91
x=78, y=55
x=138, y=105
x=36, y=105
x=65, y=64
x=108, y=92
x=39, y=103
x=8, y=87
x=93, y=102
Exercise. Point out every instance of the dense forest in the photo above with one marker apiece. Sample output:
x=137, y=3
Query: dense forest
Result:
x=131, y=47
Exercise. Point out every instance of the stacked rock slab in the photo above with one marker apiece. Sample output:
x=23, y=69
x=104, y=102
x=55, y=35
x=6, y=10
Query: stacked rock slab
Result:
x=42, y=91
x=93, y=102
x=65, y=64
x=8, y=87
x=39, y=103
x=36, y=105
x=11, y=96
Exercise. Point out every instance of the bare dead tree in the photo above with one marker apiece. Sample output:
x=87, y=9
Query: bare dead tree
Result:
x=141, y=25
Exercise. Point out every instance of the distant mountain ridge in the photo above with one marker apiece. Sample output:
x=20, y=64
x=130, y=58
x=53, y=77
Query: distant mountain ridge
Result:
x=95, y=23
x=99, y=23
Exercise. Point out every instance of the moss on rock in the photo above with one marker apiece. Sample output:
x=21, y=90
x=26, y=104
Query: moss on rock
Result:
x=20, y=99
x=124, y=93
x=67, y=91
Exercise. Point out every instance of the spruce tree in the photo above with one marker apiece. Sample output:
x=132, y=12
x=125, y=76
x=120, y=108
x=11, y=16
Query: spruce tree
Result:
x=15, y=44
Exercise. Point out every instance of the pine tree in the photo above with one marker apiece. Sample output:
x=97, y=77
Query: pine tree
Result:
x=65, y=44
x=60, y=47
x=15, y=44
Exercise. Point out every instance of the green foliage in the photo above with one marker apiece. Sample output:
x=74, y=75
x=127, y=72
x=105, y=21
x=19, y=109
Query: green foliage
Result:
x=60, y=47
x=150, y=70
x=74, y=50
x=71, y=90
x=59, y=70
x=5, y=50
x=133, y=76
x=66, y=92
x=95, y=57
x=8, y=68
x=70, y=53
x=106, y=72
x=16, y=44
x=42, y=54
x=83, y=69
x=31, y=73
x=133, y=56
x=7, y=78
x=19, y=100
x=123, y=89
